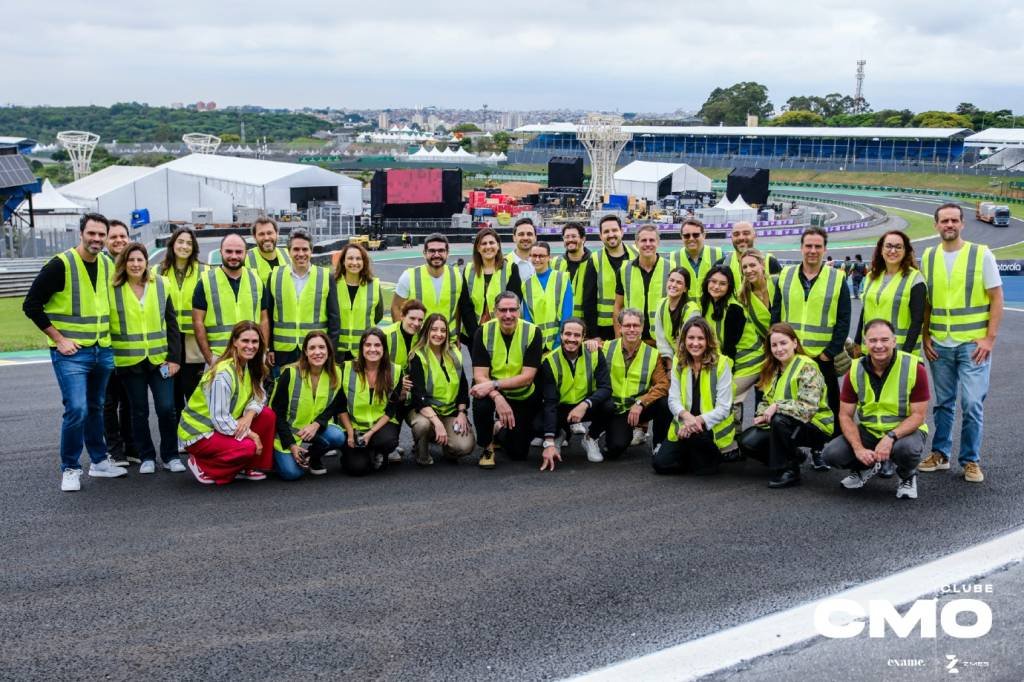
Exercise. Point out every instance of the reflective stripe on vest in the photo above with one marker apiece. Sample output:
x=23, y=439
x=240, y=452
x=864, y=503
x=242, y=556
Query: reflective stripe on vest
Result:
x=812, y=318
x=634, y=295
x=138, y=329
x=256, y=262
x=629, y=384
x=74, y=311
x=364, y=407
x=481, y=291
x=511, y=364
x=690, y=309
x=880, y=414
x=296, y=316
x=750, y=350
x=304, y=406
x=195, y=418
x=545, y=304
x=448, y=301
x=224, y=310
x=790, y=387
x=442, y=389
x=709, y=255
x=725, y=431
x=605, y=274
x=573, y=387
x=397, y=349
x=181, y=295
x=576, y=279
x=964, y=318
x=356, y=315
x=890, y=300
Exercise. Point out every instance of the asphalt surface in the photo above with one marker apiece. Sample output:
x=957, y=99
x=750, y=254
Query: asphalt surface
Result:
x=449, y=572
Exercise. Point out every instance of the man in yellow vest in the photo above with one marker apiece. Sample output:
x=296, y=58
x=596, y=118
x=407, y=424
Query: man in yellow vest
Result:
x=435, y=284
x=547, y=296
x=301, y=298
x=643, y=280
x=573, y=262
x=743, y=236
x=69, y=302
x=884, y=403
x=226, y=296
x=506, y=353
x=117, y=416
x=696, y=256
x=267, y=255
x=601, y=280
x=965, y=293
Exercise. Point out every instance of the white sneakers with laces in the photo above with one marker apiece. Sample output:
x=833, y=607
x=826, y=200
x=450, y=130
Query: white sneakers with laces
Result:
x=857, y=479
x=71, y=480
x=105, y=469
x=592, y=449
x=907, y=487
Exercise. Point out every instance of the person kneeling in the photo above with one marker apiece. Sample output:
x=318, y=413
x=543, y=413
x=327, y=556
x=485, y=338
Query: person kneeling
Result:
x=306, y=396
x=440, y=395
x=888, y=393
x=225, y=428
x=700, y=397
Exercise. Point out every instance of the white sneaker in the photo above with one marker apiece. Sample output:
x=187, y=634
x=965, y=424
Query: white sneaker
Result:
x=200, y=475
x=639, y=436
x=858, y=478
x=907, y=487
x=578, y=428
x=396, y=456
x=122, y=462
x=71, y=480
x=105, y=469
x=536, y=442
x=147, y=467
x=175, y=466
x=592, y=449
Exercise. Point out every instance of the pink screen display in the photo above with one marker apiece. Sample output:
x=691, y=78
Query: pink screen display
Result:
x=414, y=186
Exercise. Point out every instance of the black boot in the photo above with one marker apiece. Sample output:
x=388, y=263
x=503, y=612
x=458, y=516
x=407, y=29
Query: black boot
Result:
x=786, y=479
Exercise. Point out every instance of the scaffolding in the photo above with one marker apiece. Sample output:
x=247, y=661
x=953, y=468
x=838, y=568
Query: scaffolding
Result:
x=603, y=138
x=79, y=145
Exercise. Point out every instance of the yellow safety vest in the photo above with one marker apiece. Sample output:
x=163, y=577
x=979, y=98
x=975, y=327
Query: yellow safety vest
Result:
x=813, y=319
x=422, y=289
x=296, y=316
x=138, y=330
x=356, y=315
x=787, y=387
x=725, y=431
x=256, y=262
x=690, y=309
x=482, y=292
x=562, y=263
x=442, y=384
x=750, y=351
x=195, y=418
x=732, y=261
x=881, y=414
x=545, y=304
x=78, y=311
x=364, y=407
x=960, y=302
x=709, y=255
x=634, y=295
x=890, y=301
x=573, y=386
x=224, y=310
x=181, y=295
x=397, y=349
x=507, y=361
x=304, y=405
x=629, y=384
x=605, y=274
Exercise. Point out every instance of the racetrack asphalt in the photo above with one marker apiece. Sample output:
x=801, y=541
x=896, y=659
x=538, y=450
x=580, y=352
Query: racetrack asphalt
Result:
x=449, y=572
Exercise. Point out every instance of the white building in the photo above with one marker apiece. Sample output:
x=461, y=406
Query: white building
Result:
x=652, y=181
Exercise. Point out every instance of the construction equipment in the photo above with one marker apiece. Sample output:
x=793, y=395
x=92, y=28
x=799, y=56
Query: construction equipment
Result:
x=366, y=242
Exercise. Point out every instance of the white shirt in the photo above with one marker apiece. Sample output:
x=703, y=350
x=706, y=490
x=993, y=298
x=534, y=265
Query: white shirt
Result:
x=402, y=286
x=525, y=267
x=300, y=281
x=990, y=276
x=723, y=399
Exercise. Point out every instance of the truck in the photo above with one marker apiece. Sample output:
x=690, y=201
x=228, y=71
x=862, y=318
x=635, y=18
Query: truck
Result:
x=993, y=214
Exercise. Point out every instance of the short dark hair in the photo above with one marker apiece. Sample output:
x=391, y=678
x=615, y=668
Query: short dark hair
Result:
x=299, y=233
x=692, y=221
x=814, y=229
x=228, y=236
x=524, y=221
x=412, y=304
x=114, y=222
x=543, y=245
x=574, y=320
x=502, y=296
x=435, y=237
x=92, y=217
x=610, y=217
x=877, y=321
x=263, y=220
x=949, y=204
x=574, y=226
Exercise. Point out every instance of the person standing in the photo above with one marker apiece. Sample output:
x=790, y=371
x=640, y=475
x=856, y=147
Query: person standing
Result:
x=547, y=296
x=267, y=255
x=644, y=280
x=675, y=309
x=895, y=290
x=437, y=285
x=857, y=272
x=147, y=354
x=301, y=298
x=226, y=296
x=965, y=294
x=743, y=237
x=757, y=295
x=601, y=280
x=117, y=412
x=574, y=261
x=696, y=256
x=358, y=298
x=489, y=274
x=524, y=232
x=69, y=302
x=719, y=307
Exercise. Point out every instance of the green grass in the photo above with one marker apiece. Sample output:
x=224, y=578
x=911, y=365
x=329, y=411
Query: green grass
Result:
x=919, y=225
x=16, y=331
x=1013, y=251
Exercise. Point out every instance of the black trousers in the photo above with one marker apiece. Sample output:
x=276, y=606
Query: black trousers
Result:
x=776, y=446
x=828, y=370
x=697, y=454
x=618, y=434
x=185, y=382
x=117, y=420
x=595, y=414
x=516, y=441
x=356, y=461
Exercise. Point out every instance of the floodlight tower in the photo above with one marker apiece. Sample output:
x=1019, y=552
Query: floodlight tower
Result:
x=858, y=95
x=79, y=145
x=603, y=138
x=201, y=143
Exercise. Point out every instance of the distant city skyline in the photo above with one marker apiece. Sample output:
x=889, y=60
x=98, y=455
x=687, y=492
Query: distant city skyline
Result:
x=650, y=57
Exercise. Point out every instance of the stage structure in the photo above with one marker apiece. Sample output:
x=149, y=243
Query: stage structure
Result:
x=603, y=138
x=201, y=143
x=79, y=145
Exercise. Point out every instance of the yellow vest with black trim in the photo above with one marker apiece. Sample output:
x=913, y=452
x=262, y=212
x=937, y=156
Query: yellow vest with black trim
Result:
x=884, y=412
x=482, y=290
x=296, y=316
x=573, y=385
x=723, y=432
x=787, y=387
x=397, y=350
x=813, y=319
x=576, y=279
x=507, y=360
x=545, y=304
x=628, y=384
x=709, y=255
x=258, y=264
x=78, y=311
x=960, y=304
x=441, y=384
x=224, y=310
x=890, y=300
x=605, y=279
x=750, y=351
x=421, y=287
x=181, y=294
x=195, y=418
x=732, y=261
x=690, y=309
x=356, y=315
x=364, y=406
x=138, y=330
x=633, y=292
x=304, y=404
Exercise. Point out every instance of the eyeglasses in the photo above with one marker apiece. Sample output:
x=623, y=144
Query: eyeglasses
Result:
x=892, y=247
x=437, y=250
x=691, y=235
x=507, y=310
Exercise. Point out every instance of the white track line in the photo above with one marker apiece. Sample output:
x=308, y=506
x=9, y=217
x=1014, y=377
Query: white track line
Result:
x=778, y=631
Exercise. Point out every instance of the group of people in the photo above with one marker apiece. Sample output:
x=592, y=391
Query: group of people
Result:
x=268, y=363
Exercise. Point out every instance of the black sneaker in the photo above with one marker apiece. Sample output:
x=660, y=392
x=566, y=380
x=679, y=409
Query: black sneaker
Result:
x=887, y=469
x=316, y=465
x=818, y=461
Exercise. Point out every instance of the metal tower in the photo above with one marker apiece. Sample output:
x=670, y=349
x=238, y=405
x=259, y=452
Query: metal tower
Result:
x=79, y=146
x=603, y=138
x=201, y=143
x=858, y=95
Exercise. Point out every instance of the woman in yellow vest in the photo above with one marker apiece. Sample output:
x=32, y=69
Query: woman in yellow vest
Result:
x=673, y=311
x=373, y=397
x=181, y=269
x=758, y=293
x=719, y=307
x=306, y=398
x=226, y=428
x=147, y=353
x=894, y=290
x=794, y=412
x=360, y=303
x=700, y=400
x=487, y=276
x=440, y=395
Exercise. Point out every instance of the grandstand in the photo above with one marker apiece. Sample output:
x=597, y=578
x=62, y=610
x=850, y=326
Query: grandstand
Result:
x=1000, y=149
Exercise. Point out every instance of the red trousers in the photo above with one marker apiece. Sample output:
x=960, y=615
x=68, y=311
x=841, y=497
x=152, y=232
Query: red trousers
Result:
x=221, y=457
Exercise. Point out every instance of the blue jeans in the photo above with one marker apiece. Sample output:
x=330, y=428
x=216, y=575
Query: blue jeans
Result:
x=82, y=379
x=138, y=385
x=331, y=438
x=954, y=368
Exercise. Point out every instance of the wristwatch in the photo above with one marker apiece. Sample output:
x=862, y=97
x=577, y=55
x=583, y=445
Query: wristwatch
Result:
x=548, y=444
x=639, y=402
x=892, y=434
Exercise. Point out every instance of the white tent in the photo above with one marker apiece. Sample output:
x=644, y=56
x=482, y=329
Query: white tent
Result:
x=724, y=202
x=652, y=180
x=51, y=209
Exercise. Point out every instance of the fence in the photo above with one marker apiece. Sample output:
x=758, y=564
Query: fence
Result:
x=18, y=241
x=16, y=275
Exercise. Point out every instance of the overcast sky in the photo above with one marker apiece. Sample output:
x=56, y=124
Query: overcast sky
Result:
x=525, y=54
